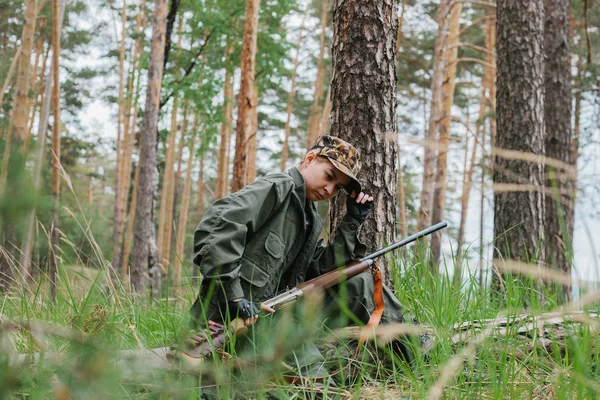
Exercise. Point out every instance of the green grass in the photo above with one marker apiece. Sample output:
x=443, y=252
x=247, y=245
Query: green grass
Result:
x=80, y=361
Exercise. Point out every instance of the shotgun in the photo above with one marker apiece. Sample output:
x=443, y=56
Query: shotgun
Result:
x=216, y=335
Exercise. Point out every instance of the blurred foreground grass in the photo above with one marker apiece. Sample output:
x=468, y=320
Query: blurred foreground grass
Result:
x=79, y=359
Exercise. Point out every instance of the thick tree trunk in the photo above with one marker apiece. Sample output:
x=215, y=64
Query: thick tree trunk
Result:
x=364, y=104
x=439, y=193
x=435, y=116
x=519, y=214
x=314, y=121
x=39, y=97
x=54, y=236
x=243, y=130
x=225, y=135
x=559, y=217
x=144, y=255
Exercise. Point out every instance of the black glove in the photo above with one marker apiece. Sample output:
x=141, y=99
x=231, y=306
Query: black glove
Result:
x=242, y=308
x=358, y=211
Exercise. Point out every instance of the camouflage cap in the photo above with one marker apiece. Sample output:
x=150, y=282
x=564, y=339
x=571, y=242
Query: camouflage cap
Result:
x=343, y=156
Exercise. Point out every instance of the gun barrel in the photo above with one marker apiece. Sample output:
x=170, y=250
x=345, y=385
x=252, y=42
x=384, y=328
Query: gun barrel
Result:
x=406, y=241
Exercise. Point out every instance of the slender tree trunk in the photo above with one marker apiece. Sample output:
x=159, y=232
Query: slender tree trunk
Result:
x=488, y=82
x=129, y=233
x=177, y=184
x=91, y=190
x=519, y=215
x=14, y=159
x=54, y=242
x=27, y=246
x=439, y=193
x=166, y=199
x=183, y=215
x=39, y=49
x=144, y=256
x=559, y=217
x=39, y=97
x=577, y=117
x=291, y=96
x=314, y=121
x=435, y=116
x=10, y=73
x=245, y=97
x=364, y=104
x=225, y=135
x=401, y=194
x=118, y=216
x=129, y=124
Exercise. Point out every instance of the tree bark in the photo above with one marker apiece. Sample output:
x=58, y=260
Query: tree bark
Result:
x=225, y=134
x=559, y=217
x=363, y=109
x=39, y=97
x=435, y=116
x=314, y=121
x=54, y=236
x=144, y=256
x=243, y=129
x=252, y=146
x=39, y=49
x=519, y=215
x=439, y=193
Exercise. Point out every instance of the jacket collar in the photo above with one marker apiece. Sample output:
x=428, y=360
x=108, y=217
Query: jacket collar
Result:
x=300, y=188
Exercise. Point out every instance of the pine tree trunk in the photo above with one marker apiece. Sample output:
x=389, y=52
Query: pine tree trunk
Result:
x=129, y=124
x=144, y=256
x=364, y=104
x=128, y=235
x=243, y=128
x=314, y=121
x=435, y=116
x=54, y=236
x=181, y=146
x=486, y=90
x=519, y=215
x=559, y=217
x=225, y=135
x=39, y=49
x=27, y=245
x=118, y=216
x=39, y=98
x=13, y=156
x=166, y=198
x=181, y=229
x=439, y=193
x=401, y=193
x=290, y=105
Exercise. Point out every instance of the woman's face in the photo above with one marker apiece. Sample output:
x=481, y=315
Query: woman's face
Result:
x=322, y=180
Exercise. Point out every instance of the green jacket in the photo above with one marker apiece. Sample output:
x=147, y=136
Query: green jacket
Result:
x=255, y=242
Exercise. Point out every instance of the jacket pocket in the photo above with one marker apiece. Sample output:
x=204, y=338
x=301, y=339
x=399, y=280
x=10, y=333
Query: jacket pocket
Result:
x=254, y=274
x=274, y=245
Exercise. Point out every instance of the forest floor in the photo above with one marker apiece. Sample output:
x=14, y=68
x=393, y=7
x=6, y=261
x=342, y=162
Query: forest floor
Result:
x=80, y=334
